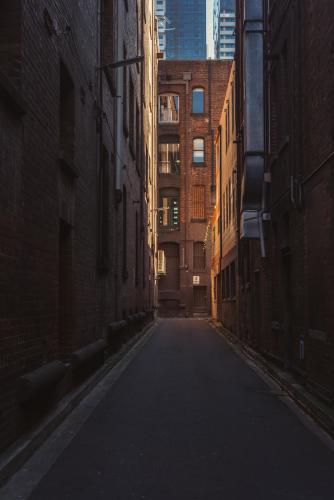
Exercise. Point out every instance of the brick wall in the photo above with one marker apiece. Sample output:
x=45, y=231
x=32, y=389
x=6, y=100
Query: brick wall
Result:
x=43, y=316
x=181, y=77
x=293, y=325
x=61, y=219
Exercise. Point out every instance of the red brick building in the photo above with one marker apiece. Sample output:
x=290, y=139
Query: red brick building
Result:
x=224, y=267
x=286, y=295
x=191, y=95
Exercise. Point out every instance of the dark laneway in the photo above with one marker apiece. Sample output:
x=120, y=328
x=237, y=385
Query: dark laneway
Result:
x=189, y=420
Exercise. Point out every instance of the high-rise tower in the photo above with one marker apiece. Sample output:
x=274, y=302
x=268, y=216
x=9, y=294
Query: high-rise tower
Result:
x=223, y=28
x=185, y=29
x=160, y=12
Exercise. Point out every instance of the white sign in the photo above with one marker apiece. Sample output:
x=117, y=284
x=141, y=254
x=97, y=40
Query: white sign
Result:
x=195, y=280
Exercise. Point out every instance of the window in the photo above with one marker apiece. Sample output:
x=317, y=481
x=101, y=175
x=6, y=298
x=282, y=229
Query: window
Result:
x=228, y=283
x=198, y=101
x=124, y=253
x=147, y=166
x=198, y=150
x=132, y=128
x=108, y=42
x=227, y=126
x=228, y=200
x=224, y=212
x=169, y=216
x=231, y=199
x=168, y=108
x=233, y=280
x=199, y=256
x=11, y=39
x=233, y=107
x=169, y=158
x=137, y=251
x=138, y=142
x=198, y=203
x=125, y=94
x=103, y=227
x=67, y=113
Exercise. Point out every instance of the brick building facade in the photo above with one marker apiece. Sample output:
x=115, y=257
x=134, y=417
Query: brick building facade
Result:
x=135, y=173
x=188, y=116
x=65, y=169
x=224, y=266
x=286, y=295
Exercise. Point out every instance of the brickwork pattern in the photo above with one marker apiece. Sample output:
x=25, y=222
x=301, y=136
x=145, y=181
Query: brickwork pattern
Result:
x=56, y=217
x=180, y=77
x=294, y=324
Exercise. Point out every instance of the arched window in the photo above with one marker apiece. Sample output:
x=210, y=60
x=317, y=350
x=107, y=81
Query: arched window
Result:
x=168, y=108
x=198, y=150
x=199, y=256
x=198, y=100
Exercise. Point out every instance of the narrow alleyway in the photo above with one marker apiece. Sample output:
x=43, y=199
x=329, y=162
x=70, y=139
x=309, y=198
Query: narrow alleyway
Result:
x=189, y=420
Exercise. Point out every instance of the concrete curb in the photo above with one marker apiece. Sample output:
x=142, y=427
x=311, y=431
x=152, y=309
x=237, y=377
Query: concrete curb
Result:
x=15, y=457
x=318, y=410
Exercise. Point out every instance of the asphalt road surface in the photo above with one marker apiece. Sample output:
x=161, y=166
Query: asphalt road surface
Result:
x=190, y=420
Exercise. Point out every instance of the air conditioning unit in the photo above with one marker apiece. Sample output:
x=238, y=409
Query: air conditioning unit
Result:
x=161, y=263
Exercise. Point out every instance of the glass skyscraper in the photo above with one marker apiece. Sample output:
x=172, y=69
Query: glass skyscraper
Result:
x=224, y=28
x=160, y=12
x=185, y=29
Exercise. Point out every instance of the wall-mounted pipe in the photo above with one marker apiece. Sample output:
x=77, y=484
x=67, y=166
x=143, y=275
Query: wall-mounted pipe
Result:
x=254, y=119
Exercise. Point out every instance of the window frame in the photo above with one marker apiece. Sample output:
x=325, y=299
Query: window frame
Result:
x=200, y=258
x=173, y=165
x=199, y=213
x=168, y=122
x=170, y=194
x=202, y=162
x=194, y=90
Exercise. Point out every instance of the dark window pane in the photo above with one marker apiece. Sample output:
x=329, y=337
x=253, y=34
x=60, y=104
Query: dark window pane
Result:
x=198, y=101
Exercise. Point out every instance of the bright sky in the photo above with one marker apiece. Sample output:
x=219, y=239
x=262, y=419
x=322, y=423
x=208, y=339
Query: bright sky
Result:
x=209, y=28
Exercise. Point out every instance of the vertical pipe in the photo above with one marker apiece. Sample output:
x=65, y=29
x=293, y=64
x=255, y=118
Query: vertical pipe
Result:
x=254, y=121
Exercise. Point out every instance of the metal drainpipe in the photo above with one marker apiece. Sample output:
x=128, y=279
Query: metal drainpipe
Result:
x=254, y=123
x=142, y=180
x=186, y=266
x=210, y=124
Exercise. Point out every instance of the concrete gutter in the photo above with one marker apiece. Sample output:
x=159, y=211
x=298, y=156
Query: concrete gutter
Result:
x=23, y=448
x=318, y=410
